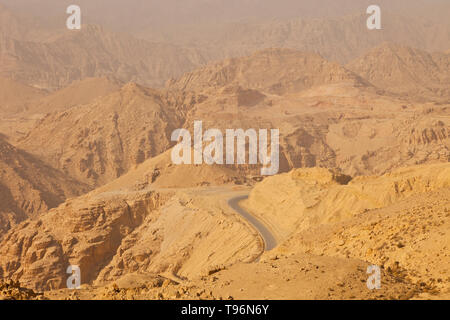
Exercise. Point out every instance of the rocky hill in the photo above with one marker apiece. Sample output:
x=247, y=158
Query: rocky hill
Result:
x=92, y=52
x=15, y=96
x=137, y=236
x=406, y=71
x=30, y=187
x=276, y=71
x=108, y=136
x=322, y=110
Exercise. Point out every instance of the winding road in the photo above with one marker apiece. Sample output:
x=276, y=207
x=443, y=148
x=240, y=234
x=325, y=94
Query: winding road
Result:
x=268, y=238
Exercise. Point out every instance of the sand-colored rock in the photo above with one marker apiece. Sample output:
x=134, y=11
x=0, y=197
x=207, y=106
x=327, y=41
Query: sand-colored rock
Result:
x=405, y=70
x=93, y=52
x=87, y=179
x=129, y=226
x=276, y=71
x=408, y=239
x=78, y=93
x=13, y=291
x=322, y=116
x=30, y=187
x=107, y=136
x=14, y=96
x=304, y=198
x=22, y=107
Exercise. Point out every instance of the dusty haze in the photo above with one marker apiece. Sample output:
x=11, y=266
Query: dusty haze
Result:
x=87, y=178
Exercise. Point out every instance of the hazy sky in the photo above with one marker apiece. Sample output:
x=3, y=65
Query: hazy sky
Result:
x=133, y=14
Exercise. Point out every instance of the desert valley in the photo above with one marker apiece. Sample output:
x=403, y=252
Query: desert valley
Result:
x=87, y=176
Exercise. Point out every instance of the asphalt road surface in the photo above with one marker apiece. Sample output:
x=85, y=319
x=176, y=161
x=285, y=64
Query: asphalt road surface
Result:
x=269, y=239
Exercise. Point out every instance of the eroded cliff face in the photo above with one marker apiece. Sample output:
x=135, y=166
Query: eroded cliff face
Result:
x=85, y=233
x=29, y=187
x=304, y=198
x=175, y=244
x=120, y=233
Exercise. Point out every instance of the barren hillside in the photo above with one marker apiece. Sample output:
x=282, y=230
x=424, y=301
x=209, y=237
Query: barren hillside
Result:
x=108, y=136
x=140, y=225
x=276, y=71
x=87, y=176
x=406, y=71
x=29, y=187
x=321, y=109
x=92, y=52
x=126, y=234
x=339, y=38
x=14, y=96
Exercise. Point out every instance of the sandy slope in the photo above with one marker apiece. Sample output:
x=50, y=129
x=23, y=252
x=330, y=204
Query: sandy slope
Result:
x=30, y=187
x=406, y=71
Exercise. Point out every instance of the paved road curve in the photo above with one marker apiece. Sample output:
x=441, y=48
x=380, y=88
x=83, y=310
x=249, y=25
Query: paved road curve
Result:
x=269, y=239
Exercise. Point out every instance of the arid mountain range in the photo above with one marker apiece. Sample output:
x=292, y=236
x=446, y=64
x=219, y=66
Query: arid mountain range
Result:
x=92, y=52
x=63, y=57
x=87, y=179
